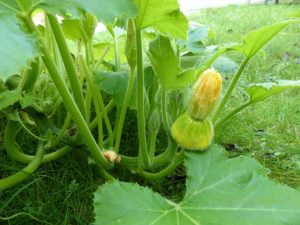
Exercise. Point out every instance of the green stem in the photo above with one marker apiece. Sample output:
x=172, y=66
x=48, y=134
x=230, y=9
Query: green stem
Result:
x=140, y=101
x=104, y=174
x=165, y=114
x=108, y=108
x=93, y=92
x=24, y=173
x=152, y=145
x=117, y=53
x=88, y=103
x=91, y=52
x=62, y=130
x=14, y=153
x=178, y=159
x=98, y=101
x=229, y=90
x=68, y=100
x=231, y=113
x=124, y=110
x=68, y=62
x=27, y=129
x=100, y=60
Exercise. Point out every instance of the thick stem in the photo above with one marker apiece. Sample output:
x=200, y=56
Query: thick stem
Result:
x=98, y=101
x=152, y=145
x=24, y=173
x=124, y=110
x=68, y=62
x=15, y=154
x=140, y=101
x=178, y=159
x=231, y=113
x=68, y=100
x=229, y=90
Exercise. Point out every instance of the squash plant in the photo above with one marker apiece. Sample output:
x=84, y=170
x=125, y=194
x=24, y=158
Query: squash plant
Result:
x=43, y=75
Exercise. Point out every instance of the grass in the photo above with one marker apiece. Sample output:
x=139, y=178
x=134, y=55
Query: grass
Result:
x=61, y=192
x=269, y=130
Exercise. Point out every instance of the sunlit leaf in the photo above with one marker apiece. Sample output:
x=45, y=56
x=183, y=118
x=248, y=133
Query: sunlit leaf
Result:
x=163, y=16
x=72, y=29
x=219, y=191
x=255, y=40
x=17, y=48
x=105, y=11
x=258, y=92
x=166, y=64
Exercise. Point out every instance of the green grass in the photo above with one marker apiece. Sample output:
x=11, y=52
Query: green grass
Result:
x=61, y=192
x=269, y=130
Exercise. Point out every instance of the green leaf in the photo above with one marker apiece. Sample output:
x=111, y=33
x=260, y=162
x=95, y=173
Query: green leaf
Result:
x=8, y=98
x=166, y=65
x=113, y=83
x=218, y=191
x=255, y=40
x=196, y=34
x=258, y=92
x=164, y=16
x=105, y=11
x=17, y=48
x=8, y=6
x=72, y=29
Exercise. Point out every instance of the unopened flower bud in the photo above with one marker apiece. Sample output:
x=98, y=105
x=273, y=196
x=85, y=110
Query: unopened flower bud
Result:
x=192, y=134
x=205, y=94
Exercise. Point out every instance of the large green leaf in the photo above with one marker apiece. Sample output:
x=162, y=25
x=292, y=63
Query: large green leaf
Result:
x=105, y=11
x=163, y=16
x=219, y=191
x=166, y=64
x=255, y=40
x=258, y=92
x=17, y=48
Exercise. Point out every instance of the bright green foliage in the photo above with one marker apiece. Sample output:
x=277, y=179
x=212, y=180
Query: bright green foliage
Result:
x=72, y=29
x=8, y=98
x=8, y=6
x=163, y=16
x=219, y=191
x=16, y=48
x=166, y=64
x=106, y=11
x=258, y=92
x=255, y=40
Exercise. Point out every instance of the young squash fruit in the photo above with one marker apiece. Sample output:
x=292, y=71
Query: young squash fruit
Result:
x=194, y=130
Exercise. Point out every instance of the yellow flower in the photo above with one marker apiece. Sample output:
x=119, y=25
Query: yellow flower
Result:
x=205, y=94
